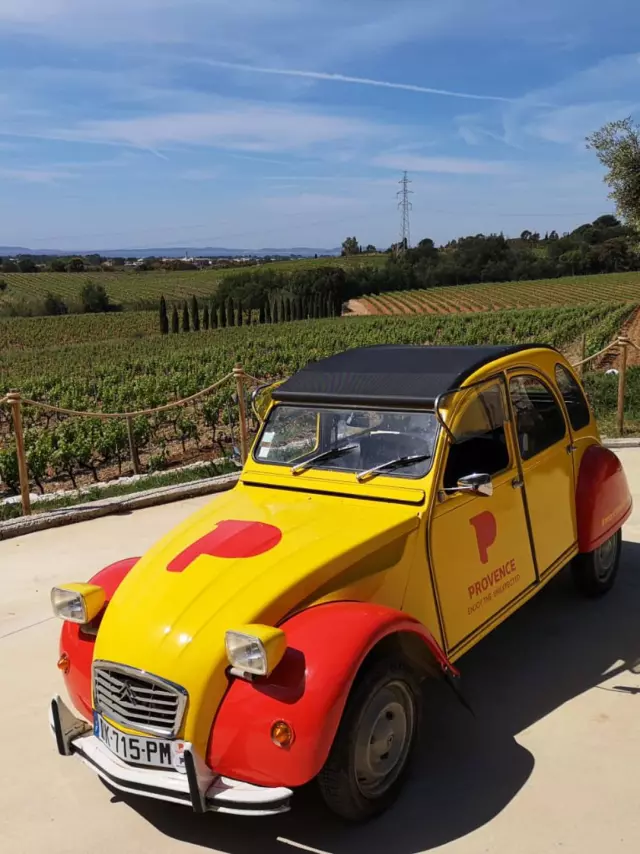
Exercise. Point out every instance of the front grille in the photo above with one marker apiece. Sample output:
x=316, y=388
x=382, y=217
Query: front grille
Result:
x=138, y=699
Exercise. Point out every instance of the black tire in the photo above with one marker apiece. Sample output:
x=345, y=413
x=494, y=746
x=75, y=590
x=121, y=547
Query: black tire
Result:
x=594, y=573
x=383, y=710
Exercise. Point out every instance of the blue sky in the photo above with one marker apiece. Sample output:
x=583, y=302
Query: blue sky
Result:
x=253, y=123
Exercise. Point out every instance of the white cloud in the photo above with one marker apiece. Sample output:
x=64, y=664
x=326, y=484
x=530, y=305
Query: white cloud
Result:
x=565, y=112
x=234, y=125
x=444, y=165
x=35, y=176
x=570, y=125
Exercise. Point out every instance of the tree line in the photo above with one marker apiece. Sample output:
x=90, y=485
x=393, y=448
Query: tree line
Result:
x=271, y=296
x=225, y=312
x=603, y=246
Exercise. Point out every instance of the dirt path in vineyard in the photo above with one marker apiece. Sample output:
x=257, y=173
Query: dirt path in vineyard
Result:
x=631, y=328
x=356, y=306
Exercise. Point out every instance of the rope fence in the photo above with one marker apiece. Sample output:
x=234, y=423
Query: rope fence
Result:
x=15, y=401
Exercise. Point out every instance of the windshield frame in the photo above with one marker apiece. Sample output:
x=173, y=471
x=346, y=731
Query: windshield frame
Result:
x=398, y=474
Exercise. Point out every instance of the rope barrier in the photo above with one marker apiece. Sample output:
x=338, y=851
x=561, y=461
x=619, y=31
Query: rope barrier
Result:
x=595, y=355
x=621, y=341
x=106, y=415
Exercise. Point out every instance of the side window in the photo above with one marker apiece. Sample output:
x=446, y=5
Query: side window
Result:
x=480, y=443
x=574, y=399
x=539, y=420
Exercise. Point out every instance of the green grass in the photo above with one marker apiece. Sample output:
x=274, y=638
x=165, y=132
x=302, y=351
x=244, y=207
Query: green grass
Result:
x=155, y=481
x=135, y=290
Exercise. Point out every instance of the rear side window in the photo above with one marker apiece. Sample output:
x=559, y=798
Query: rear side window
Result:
x=574, y=399
x=539, y=420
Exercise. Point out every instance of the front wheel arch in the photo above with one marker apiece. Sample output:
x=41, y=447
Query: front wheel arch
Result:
x=330, y=646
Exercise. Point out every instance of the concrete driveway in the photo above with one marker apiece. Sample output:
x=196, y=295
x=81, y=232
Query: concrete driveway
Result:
x=550, y=762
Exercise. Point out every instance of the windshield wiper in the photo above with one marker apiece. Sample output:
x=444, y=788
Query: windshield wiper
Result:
x=391, y=464
x=325, y=455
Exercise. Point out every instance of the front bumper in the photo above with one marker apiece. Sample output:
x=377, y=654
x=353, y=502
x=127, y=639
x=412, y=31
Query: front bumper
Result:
x=197, y=788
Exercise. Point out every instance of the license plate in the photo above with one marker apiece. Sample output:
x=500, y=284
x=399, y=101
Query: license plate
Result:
x=138, y=750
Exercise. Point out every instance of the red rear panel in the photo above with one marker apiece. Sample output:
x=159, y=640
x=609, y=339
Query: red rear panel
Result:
x=603, y=500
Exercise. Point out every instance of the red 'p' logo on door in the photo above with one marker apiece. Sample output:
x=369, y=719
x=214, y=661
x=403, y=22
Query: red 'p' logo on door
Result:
x=486, y=530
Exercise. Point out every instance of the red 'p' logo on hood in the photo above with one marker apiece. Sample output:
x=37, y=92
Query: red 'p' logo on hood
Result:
x=486, y=530
x=230, y=539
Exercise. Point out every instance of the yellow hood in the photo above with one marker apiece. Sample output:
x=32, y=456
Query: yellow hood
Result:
x=170, y=614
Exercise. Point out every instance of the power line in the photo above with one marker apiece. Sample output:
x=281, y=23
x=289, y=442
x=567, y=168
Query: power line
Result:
x=405, y=207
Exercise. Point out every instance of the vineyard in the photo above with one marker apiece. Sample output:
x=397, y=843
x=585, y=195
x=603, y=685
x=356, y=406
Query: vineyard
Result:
x=133, y=289
x=125, y=375
x=26, y=333
x=613, y=287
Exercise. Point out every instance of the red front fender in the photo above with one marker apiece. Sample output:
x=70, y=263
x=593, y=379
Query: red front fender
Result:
x=603, y=500
x=78, y=643
x=326, y=645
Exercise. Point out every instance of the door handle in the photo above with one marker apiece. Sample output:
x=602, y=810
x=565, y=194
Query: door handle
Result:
x=571, y=448
x=517, y=483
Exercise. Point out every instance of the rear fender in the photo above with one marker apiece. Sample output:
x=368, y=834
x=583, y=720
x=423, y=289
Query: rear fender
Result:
x=326, y=646
x=77, y=641
x=603, y=500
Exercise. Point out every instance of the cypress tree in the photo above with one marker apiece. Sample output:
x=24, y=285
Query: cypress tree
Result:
x=261, y=313
x=274, y=311
x=239, y=312
x=205, y=316
x=175, y=320
x=195, y=314
x=223, y=314
x=267, y=310
x=185, y=318
x=231, y=320
x=214, y=316
x=164, y=320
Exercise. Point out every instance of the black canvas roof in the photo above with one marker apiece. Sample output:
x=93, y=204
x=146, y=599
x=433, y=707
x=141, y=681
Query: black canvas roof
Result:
x=388, y=375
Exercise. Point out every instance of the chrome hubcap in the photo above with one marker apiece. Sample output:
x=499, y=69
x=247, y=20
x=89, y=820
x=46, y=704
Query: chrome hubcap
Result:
x=606, y=558
x=384, y=738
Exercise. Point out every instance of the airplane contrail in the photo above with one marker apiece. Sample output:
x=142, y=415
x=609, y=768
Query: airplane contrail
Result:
x=344, y=78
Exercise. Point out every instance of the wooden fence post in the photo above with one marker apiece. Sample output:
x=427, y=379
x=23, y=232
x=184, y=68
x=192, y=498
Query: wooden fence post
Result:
x=583, y=355
x=622, y=380
x=135, y=459
x=238, y=373
x=16, y=409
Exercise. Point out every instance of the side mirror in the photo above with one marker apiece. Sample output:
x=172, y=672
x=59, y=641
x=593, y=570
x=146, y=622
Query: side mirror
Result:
x=480, y=484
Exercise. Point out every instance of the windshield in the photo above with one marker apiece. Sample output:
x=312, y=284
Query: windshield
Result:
x=306, y=437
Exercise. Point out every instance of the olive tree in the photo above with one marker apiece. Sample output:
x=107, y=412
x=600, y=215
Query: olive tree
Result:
x=617, y=146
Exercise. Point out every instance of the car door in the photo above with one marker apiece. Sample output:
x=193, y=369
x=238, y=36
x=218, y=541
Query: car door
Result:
x=545, y=448
x=479, y=545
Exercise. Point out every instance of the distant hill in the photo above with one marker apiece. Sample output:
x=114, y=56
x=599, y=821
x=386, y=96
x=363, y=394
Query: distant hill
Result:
x=173, y=252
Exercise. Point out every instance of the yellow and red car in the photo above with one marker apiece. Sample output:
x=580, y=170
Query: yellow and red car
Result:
x=398, y=504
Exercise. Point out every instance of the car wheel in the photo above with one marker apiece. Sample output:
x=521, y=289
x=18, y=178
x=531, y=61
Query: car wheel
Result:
x=372, y=751
x=594, y=573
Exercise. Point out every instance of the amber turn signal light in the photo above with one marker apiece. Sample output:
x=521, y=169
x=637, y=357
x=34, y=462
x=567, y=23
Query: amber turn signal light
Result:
x=282, y=734
x=64, y=663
